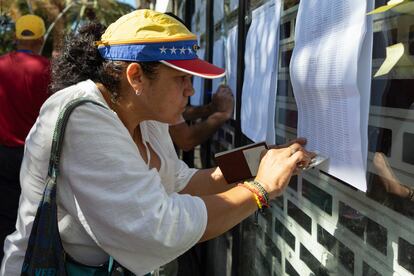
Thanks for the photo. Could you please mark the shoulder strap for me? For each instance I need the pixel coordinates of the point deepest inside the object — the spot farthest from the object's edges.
(59, 132)
(44, 250)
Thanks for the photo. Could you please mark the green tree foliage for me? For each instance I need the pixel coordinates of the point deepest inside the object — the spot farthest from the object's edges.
(63, 15)
(6, 34)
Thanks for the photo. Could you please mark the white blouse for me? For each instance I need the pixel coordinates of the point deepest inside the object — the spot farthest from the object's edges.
(109, 201)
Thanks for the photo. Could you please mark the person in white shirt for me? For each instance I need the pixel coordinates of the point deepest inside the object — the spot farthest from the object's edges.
(122, 191)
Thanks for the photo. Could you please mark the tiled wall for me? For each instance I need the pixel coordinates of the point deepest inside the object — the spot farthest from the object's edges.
(322, 226)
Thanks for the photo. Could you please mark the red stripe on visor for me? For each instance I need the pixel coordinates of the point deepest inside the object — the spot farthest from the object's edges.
(196, 67)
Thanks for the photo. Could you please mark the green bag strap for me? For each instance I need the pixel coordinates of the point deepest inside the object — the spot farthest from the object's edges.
(59, 132)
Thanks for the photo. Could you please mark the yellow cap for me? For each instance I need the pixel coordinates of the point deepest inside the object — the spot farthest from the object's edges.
(145, 26)
(30, 27)
(146, 35)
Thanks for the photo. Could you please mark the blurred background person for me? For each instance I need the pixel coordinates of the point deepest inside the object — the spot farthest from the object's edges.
(24, 80)
(187, 136)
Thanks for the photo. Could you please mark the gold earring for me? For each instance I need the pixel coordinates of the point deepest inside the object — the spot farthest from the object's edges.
(114, 98)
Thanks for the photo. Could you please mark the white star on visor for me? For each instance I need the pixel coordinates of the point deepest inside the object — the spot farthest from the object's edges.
(163, 50)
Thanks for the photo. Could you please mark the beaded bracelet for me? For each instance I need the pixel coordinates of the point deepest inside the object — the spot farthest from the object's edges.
(259, 204)
(255, 191)
(261, 196)
(257, 197)
(259, 187)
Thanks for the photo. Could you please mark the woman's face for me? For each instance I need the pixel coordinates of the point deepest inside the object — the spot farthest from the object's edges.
(167, 95)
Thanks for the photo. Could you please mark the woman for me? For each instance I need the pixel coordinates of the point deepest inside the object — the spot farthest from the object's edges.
(122, 190)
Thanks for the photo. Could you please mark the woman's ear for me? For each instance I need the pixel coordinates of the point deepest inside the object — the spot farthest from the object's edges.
(135, 75)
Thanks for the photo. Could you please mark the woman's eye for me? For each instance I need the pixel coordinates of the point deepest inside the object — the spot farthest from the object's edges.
(184, 78)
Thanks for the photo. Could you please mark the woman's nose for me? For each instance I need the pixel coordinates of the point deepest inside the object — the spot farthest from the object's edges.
(188, 90)
(191, 92)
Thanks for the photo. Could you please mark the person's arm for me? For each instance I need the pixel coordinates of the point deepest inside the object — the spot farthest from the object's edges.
(192, 113)
(143, 221)
(221, 101)
(186, 137)
(233, 203)
(227, 209)
(212, 180)
(388, 178)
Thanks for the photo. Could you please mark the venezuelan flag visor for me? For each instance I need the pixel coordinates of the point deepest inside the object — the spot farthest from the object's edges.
(146, 35)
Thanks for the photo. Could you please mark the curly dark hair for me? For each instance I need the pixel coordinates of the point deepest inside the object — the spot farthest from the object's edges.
(80, 60)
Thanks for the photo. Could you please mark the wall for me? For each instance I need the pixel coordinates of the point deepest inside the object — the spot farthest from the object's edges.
(322, 226)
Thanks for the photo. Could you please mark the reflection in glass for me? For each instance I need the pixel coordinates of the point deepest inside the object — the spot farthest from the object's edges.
(290, 3)
(283, 232)
(290, 270)
(384, 135)
(408, 146)
(312, 262)
(369, 271)
(278, 201)
(300, 217)
(385, 187)
(272, 248)
(285, 30)
(363, 227)
(406, 254)
(381, 41)
(317, 196)
(338, 249)
(288, 117)
(411, 40)
(394, 93)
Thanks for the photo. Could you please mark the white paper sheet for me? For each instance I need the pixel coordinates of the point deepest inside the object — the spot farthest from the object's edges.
(260, 75)
(231, 59)
(218, 60)
(234, 4)
(218, 10)
(198, 85)
(364, 73)
(193, 24)
(231, 62)
(202, 16)
(198, 21)
(331, 83)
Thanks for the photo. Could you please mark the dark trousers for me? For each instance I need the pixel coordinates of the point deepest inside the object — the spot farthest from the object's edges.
(10, 162)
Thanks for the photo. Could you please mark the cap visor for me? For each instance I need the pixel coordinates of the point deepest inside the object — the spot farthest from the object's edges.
(196, 67)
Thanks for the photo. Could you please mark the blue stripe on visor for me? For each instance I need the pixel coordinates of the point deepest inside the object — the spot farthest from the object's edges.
(177, 50)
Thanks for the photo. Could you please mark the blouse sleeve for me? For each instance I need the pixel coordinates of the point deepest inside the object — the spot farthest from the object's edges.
(183, 173)
(183, 176)
(119, 201)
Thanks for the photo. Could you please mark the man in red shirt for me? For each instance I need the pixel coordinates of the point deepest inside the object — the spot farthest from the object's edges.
(24, 80)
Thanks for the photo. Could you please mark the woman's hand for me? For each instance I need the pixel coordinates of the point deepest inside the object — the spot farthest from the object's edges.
(278, 165)
(302, 141)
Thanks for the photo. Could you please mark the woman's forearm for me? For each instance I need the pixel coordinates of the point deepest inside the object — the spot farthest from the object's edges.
(225, 210)
(207, 182)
